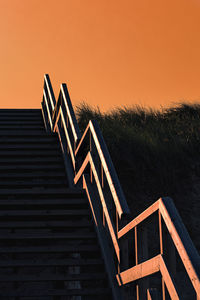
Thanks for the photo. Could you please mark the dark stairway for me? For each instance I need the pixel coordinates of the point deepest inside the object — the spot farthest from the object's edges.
(48, 244)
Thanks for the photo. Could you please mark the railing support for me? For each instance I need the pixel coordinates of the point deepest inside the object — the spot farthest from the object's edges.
(59, 117)
(171, 254)
(143, 256)
(124, 260)
(152, 294)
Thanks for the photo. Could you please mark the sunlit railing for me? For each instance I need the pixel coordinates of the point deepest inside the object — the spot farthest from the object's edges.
(168, 215)
(88, 161)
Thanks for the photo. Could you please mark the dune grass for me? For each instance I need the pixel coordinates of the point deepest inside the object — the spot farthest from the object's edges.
(154, 151)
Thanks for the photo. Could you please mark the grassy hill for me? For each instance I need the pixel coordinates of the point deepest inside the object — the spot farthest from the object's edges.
(156, 154)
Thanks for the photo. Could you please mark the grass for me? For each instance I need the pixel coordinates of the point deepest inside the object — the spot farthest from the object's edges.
(155, 153)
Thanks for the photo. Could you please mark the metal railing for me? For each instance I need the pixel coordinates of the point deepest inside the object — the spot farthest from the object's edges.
(87, 159)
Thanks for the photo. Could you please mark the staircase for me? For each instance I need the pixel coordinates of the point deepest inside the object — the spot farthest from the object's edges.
(48, 243)
(66, 231)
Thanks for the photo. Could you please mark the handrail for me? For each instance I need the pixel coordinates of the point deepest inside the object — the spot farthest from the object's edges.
(89, 160)
(60, 117)
(113, 181)
(57, 113)
(179, 235)
(68, 121)
(50, 90)
(64, 96)
(49, 101)
(149, 267)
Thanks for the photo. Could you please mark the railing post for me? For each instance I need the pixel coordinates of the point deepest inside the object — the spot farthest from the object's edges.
(161, 248)
(152, 294)
(136, 258)
(124, 253)
(171, 254)
(45, 118)
(142, 256)
(124, 257)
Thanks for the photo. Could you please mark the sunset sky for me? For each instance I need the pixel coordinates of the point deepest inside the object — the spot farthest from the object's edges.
(109, 52)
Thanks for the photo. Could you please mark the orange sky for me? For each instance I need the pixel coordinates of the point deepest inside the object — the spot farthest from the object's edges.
(109, 52)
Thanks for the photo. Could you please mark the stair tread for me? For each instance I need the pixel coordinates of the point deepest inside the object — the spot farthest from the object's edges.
(26, 127)
(66, 201)
(30, 152)
(20, 236)
(51, 277)
(18, 120)
(47, 212)
(23, 160)
(34, 174)
(45, 224)
(41, 191)
(18, 183)
(20, 110)
(28, 146)
(20, 128)
(43, 139)
(54, 292)
(33, 167)
(30, 133)
(49, 249)
(50, 262)
(13, 117)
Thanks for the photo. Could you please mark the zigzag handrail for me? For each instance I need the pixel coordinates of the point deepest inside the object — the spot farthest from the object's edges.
(89, 152)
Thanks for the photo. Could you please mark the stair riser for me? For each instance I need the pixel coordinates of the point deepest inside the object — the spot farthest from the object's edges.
(28, 140)
(26, 134)
(52, 292)
(28, 168)
(31, 163)
(28, 146)
(19, 185)
(54, 250)
(29, 153)
(36, 175)
(44, 202)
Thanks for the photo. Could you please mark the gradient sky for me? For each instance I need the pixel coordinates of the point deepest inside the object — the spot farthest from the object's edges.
(109, 52)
